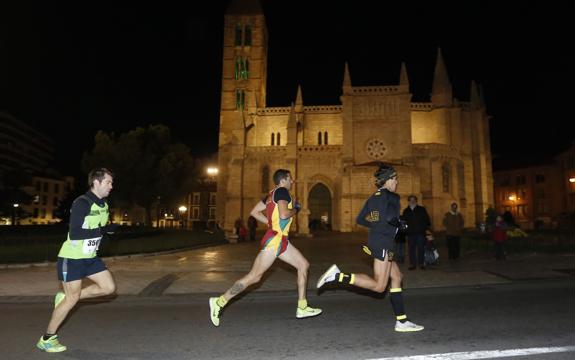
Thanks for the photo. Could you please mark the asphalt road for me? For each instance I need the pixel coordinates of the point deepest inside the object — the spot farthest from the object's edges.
(474, 320)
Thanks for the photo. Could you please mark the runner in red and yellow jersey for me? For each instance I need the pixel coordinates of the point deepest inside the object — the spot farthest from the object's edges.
(280, 209)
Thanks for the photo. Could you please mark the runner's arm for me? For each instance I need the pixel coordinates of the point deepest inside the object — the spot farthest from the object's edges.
(361, 218)
(80, 209)
(257, 212)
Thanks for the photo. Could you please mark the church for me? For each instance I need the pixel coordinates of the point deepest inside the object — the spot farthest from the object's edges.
(441, 148)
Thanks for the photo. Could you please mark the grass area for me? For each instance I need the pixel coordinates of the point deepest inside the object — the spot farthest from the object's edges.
(546, 241)
(43, 243)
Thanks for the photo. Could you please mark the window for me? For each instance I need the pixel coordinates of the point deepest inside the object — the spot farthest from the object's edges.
(265, 179)
(38, 185)
(238, 37)
(56, 188)
(539, 178)
(36, 211)
(212, 214)
(445, 176)
(238, 68)
(520, 180)
(505, 181)
(46, 187)
(196, 213)
(196, 198)
(522, 210)
(240, 99)
(44, 200)
(43, 213)
(241, 68)
(319, 138)
(248, 35)
(279, 139)
(325, 138)
(55, 201)
(273, 139)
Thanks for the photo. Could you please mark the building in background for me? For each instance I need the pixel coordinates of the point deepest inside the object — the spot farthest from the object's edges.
(440, 148)
(21, 146)
(47, 193)
(537, 195)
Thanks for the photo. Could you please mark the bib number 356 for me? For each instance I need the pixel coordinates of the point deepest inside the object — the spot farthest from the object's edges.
(90, 246)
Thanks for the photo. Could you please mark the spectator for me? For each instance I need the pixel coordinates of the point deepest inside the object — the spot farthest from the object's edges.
(500, 236)
(418, 224)
(453, 223)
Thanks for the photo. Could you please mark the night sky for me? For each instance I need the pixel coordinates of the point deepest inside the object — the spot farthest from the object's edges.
(72, 70)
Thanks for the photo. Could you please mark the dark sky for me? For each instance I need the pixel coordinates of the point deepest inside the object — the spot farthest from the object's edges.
(72, 70)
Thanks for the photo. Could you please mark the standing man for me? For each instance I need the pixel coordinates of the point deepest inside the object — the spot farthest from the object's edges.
(280, 209)
(417, 226)
(381, 215)
(77, 258)
(453, 223)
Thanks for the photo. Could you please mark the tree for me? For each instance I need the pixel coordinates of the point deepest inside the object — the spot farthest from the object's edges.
(147, 165)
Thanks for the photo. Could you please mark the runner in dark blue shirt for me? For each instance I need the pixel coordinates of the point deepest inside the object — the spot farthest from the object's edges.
(381, 215)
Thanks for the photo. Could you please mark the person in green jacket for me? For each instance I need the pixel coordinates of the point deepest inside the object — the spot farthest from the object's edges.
(78, 259)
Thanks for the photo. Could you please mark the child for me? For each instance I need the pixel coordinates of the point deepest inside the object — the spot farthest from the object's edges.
(500, 236)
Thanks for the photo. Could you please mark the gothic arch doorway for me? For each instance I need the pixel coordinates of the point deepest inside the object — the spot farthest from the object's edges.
(320, 207)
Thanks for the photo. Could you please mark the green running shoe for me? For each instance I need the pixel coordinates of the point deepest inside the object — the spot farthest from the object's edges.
(215, 311)
(58, 298)
(52, 345)
(307, 312)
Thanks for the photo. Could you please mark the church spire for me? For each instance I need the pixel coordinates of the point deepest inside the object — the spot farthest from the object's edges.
(474, 97)
(403, 79)
(298, 100)
(346, 80)
(441, 93)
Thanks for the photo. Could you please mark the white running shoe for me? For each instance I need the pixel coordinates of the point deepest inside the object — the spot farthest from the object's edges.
(407, 326)
(328, 276)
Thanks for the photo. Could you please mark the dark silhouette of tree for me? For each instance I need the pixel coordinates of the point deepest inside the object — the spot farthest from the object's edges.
(146, 164)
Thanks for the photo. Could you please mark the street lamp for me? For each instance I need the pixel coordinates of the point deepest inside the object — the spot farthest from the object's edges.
(212, 171)
(14, 212)
(512, 197)
(572, 180)
(182, 209)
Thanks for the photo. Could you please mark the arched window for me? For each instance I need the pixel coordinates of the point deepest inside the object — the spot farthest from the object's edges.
(446, 177)
(273, 139)
(325, 138)
(238, 38)
(248, 35)
(279, 139)
(265, 179)
(319, 138)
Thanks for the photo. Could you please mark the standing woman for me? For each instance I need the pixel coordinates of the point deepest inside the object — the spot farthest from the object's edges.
(381, 215)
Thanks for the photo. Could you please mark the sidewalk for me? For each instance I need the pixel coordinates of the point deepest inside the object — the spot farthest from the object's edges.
(212, 270)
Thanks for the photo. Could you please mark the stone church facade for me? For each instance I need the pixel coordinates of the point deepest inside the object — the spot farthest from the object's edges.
(440, 148)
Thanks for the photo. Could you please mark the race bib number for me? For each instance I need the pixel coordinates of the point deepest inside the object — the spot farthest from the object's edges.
(90, 246)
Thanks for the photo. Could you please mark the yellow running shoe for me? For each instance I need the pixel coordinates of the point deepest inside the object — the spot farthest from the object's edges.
(58, 298)
(52, 345)
(215, 311)
(307, 312)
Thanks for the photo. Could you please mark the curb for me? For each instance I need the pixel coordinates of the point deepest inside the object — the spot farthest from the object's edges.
(112, 258)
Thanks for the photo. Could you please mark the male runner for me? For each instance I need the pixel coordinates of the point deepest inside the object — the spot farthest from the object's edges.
(280, 209)
(77, 258)
(381, 215)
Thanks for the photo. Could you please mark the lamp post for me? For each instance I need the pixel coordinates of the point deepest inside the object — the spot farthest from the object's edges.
(212, 173)
(182, 209)
(14, 211)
